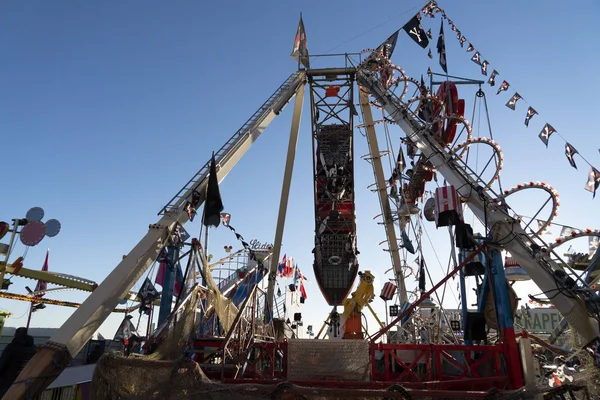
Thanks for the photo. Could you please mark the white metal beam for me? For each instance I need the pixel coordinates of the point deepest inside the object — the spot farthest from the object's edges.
(388, 219)
(285, 193)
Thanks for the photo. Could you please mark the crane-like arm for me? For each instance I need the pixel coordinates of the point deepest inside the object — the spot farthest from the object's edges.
(508, 232)
(72, 336)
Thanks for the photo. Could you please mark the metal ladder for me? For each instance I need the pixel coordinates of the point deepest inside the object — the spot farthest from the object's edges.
(274, 104)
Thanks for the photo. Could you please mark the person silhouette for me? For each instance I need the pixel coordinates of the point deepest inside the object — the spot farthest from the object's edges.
(14, 358)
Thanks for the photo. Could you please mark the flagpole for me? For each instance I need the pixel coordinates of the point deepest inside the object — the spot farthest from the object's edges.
(300, 55)
(29, 317)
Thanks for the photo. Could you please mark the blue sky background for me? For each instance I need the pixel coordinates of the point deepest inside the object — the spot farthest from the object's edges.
(107, 108)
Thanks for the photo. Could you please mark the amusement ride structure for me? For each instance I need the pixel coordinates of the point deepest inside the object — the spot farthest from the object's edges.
(236, 330)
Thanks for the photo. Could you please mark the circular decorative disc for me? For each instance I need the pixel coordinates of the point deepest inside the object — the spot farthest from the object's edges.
(35, 214)
(33, 233)
(3, 229)
(52, 227)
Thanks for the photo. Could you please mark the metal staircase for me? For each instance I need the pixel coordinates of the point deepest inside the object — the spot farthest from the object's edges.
(253, 126)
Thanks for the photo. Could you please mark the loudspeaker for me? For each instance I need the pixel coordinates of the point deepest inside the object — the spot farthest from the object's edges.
(464, 236)
(475, 326)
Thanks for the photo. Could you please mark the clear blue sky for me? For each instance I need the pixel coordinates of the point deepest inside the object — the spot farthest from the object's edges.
(107, 109)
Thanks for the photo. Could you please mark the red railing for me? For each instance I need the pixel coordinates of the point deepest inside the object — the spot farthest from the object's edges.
(440, 367)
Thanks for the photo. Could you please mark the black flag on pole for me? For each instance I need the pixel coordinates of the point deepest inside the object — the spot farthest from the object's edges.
(441, 48)
(422, 285)
(570, 152)
(386, 48)
(300, 51)
(214, 204)
(416, 31)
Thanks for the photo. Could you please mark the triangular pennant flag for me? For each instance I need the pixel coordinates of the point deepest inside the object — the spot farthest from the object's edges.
(593, 181)
(416, 32)
(429, 9)
(300, 50)
(503, 87)
(225, 219)
(429, 54)
(541, 225)
(43, 285)
(470, 48)
(406, 243)
(492, 80)
(213, 205)
(441, 48)
(484, 66)
(462, 41)
(386, 48)
(458, 35)
(593, 245)
(530, 113)
(126, 330)
(570, 151)
(513, 101)
(566, 231)
(400, 163)
(183, 234)
(476, 58)
(429, 34)
(546, 132)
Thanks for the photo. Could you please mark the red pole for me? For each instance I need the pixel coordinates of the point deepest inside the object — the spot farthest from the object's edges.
(426, 295)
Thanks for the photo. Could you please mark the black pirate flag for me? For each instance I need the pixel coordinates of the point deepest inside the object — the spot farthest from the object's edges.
(513, 101)
(546, 132)
(530, 113)
(416, 32)
(593, 181)
(570, 152)
(484, 66)
(476, 58)
(492, 80)
(387, 48)
(503, 87)
(441, 48)
(214, 204)
(147, 295)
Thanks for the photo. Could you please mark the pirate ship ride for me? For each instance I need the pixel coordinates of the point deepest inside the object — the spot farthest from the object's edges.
(422, 352)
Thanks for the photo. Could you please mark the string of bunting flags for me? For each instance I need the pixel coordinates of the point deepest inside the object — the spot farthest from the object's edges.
(225, 219)
(417, 33)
